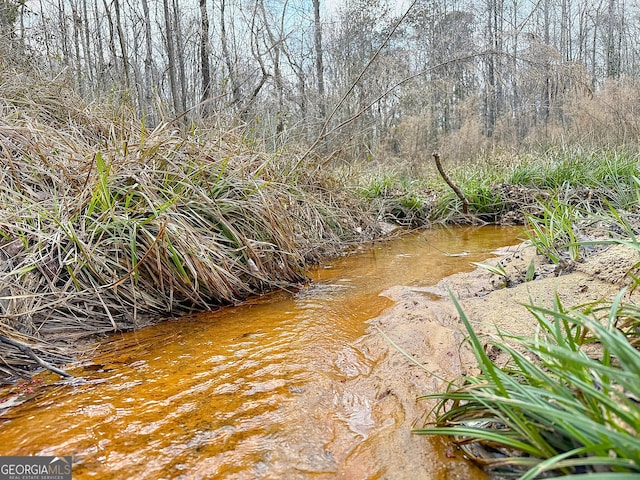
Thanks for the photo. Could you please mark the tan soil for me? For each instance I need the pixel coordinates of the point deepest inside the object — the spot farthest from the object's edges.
(425, 324)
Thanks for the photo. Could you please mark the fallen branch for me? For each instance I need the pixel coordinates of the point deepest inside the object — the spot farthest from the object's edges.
(27, 350)
(457, 191)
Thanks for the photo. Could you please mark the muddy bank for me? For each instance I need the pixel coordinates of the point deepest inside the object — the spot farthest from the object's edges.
(425, 324)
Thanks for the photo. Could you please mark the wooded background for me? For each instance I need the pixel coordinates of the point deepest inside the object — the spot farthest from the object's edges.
(378, 78)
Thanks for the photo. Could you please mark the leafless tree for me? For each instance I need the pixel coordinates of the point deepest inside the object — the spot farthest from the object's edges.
(507, 68)
(317, 43)
(171, 57)
(204, 50)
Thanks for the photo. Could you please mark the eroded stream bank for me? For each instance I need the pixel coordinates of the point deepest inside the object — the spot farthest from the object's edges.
(285, 386)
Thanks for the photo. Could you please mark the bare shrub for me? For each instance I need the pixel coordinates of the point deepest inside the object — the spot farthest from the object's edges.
(611, 116)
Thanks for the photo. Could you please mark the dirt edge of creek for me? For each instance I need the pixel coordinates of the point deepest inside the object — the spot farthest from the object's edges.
(425, 324)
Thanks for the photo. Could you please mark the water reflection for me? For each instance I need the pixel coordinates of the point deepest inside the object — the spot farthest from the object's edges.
(256, 391)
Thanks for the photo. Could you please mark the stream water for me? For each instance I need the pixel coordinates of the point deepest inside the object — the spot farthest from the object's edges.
(255, 391)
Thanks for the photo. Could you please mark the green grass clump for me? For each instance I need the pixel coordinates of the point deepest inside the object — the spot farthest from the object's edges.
(584, 178)
(554, 170)
(477, 183)
(483, 199)
(555, 407)
(554, 232)
(397, 197)
(380, 186)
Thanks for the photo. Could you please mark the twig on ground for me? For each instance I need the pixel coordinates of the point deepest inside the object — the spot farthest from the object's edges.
(26, 349)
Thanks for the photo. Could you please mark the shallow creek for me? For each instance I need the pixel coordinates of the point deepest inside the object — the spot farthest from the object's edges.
(261, 390)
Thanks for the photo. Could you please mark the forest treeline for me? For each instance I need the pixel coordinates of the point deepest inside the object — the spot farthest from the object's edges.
(367, 78)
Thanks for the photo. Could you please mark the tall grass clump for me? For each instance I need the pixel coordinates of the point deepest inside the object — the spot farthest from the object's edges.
(477, 182)
(396, 197)
(566, 403)
(554, 232)
(105, 223)
(573, 167)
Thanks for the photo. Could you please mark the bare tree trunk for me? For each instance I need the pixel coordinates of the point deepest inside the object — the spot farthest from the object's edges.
(100, 67)
(546, 94)
(494, 94)
(112, 37)
(515, 93)
(276, 47)
(204, 51)
(565, 32)
(594, 51)
(317, 43)
(123, 44)
(277, 72)
(22, 28)
(90, 66)
(138, 83)
(62, 23)
(173, 85)
(582, 36)
(236, 95)
(257, 55)
(148, 59)
(490, 107)
(45, 33)
(179, 55)
(300, 73)
(76, 45)
(613, 53)
(498, 49)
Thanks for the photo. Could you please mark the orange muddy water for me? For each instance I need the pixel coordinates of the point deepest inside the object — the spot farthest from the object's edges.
(255, 391)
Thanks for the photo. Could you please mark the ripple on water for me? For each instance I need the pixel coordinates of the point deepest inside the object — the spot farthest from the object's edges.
(355, 411)
(351, 362)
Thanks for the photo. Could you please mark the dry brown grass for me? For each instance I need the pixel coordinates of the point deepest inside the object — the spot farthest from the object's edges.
(105, 224)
